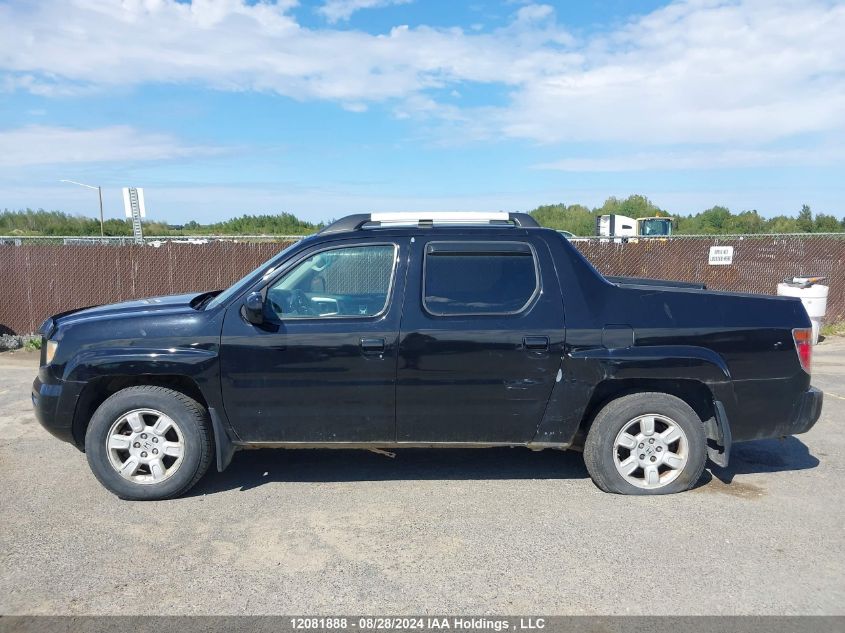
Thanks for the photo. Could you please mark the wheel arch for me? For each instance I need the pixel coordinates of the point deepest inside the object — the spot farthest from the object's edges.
(99, 389)
(697, 394)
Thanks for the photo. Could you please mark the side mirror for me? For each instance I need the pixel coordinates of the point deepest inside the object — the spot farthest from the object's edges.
(254, 308)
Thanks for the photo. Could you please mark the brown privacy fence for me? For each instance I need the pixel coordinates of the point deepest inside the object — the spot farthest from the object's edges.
(43, 277)
(759, 262)
(40, 279)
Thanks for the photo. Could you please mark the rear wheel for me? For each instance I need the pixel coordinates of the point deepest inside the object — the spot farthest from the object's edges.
(148, 443)
(645, 444)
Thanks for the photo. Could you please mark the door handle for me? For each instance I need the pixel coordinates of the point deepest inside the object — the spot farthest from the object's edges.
(536, 342)
(372, 345)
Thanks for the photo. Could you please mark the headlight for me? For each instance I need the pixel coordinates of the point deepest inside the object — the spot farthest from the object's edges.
(52, 346)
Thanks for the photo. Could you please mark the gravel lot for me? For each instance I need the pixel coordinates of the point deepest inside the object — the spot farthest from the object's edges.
(488, 531)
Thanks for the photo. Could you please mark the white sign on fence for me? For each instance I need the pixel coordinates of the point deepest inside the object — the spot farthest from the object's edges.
(721, 255)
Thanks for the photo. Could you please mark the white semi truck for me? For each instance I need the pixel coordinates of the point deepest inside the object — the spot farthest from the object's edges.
(615, 225)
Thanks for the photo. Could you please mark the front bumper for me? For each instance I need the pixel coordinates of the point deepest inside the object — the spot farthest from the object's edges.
(54, 402)
(806, 412)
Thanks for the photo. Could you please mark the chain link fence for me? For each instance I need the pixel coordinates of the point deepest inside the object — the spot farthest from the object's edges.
(155, 240)
(758, 264)
(43, 276)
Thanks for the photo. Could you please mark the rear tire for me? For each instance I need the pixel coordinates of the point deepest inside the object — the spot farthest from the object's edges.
(149, 443)
(646, 443)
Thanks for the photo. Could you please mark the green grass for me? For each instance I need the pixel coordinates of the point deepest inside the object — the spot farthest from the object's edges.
(833, 329)
(32, 344)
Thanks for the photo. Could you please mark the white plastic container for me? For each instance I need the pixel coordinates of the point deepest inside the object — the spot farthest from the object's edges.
(814, 299)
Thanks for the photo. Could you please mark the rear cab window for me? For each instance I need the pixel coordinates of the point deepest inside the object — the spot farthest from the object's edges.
(479, 278)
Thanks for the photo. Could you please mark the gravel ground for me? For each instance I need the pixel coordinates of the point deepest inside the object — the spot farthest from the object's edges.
(487, 531)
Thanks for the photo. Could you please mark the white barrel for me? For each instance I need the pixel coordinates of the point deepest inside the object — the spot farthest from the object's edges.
(814, 299)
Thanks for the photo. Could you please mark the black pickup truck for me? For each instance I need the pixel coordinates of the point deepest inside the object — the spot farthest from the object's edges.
(442, 330)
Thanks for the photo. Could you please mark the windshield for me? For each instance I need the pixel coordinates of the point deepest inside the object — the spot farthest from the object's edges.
(240, 285)
(656, 226)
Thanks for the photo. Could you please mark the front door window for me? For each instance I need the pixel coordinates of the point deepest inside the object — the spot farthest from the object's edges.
(341, 282)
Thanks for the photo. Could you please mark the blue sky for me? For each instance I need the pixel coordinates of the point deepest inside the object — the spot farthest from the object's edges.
(223, 107)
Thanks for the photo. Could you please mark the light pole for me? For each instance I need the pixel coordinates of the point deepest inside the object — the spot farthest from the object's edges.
(100, 192)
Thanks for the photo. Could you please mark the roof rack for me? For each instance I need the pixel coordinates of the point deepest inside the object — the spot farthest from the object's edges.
(429, 218)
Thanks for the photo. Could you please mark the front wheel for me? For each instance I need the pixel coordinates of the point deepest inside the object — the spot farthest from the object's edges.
(646, 444)
(149, 443)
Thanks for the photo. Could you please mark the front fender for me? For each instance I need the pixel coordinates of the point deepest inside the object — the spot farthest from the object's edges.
(195, 363)
(91, 371)
(134, 360)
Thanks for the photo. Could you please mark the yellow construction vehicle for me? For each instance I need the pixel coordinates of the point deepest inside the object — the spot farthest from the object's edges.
(655, 226)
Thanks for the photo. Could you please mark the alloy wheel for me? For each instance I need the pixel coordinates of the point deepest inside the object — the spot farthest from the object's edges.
(650, 451)
(145, 446)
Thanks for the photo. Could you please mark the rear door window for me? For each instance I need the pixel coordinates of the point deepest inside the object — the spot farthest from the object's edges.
(477, 278)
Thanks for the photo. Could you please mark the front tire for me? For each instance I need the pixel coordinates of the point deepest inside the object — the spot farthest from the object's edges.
(646, 444)
(149, 443)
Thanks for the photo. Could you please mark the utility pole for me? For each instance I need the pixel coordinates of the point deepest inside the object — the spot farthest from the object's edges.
(100, 192)
(102, 222)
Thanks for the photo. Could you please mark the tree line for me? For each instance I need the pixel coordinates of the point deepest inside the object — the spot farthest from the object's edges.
(575, 218)
(718, 220)
(41, 222)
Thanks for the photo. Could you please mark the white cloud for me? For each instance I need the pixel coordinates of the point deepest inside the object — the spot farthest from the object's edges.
(735, 73)
(337, 10)
(535, 13)
(45, 145)
(697, 159)
(698, 71)
(71, 45)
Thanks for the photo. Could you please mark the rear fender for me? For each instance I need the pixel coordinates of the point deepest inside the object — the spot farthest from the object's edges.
(591, 377)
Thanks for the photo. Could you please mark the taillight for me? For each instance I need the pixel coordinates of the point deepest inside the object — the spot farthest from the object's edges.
(803, 338)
